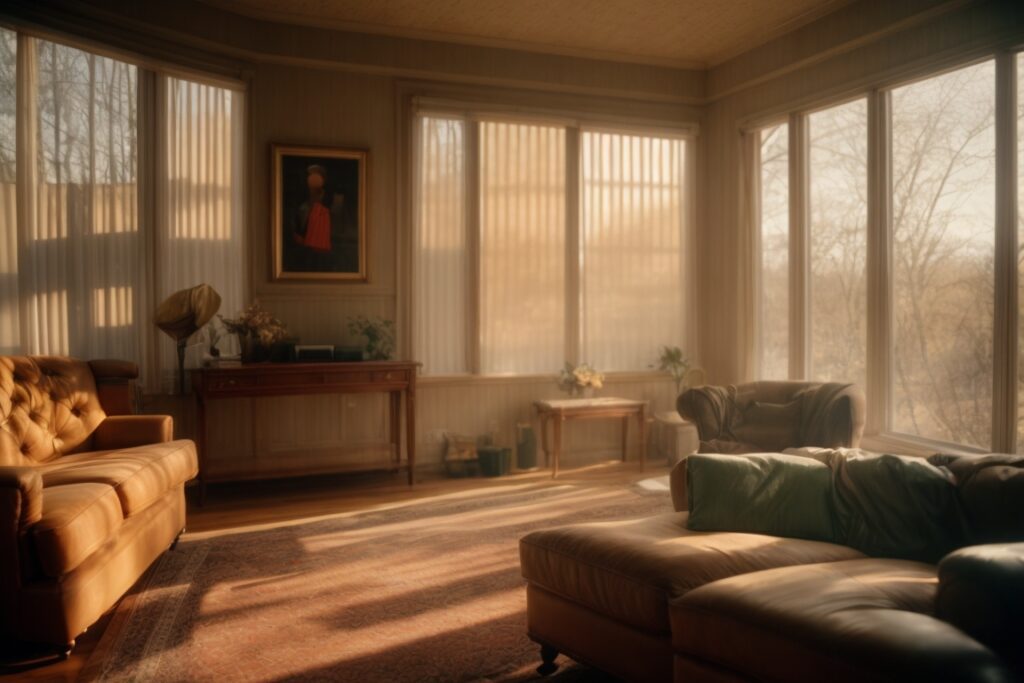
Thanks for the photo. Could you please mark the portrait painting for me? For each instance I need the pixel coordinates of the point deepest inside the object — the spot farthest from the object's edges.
(319, 214)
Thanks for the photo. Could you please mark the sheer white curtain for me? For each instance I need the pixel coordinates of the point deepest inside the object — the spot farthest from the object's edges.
(80, 257)
(632, 236)
(522, 248)
(199, 199)
(441, 264)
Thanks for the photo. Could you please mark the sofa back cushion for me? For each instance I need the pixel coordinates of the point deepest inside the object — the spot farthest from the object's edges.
(991, 491)
(780, 495)
(48, 408)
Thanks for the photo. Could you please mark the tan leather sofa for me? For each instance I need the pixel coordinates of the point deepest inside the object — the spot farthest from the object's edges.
(90, 494)
(760, 417)
(651, 600)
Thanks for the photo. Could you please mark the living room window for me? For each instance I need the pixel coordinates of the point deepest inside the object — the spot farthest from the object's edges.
(536, 243)
(86, 219)
(901, 203)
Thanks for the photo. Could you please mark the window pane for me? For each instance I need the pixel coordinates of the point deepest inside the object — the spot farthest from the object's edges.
(838, 242)
(631, 236)
(441, 261)
(522, 248)
(774, 205)
(9, 332)
(943, 255)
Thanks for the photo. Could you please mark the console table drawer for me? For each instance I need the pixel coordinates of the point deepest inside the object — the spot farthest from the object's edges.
(391, 376)
(232, 383)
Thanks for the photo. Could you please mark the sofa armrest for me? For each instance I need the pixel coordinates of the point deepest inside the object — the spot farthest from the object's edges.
(677, 484)
(981, 592)
(115, 385)
(21, 497)
(127, 431)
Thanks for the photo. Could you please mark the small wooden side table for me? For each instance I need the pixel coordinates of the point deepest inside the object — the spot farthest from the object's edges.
(558, 411)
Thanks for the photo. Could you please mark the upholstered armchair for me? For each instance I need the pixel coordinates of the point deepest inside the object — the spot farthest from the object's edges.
(773, 416)
(90, 494)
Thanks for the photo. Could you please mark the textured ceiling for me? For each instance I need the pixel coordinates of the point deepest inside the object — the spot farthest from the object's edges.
(693, 33)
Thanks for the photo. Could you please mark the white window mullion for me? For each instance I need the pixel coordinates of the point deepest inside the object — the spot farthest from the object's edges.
(573, 299)
(799, 251)
(1005, 338)
(472, 152)
(879, 263)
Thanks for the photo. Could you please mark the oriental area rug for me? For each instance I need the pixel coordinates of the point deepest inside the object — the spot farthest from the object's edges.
(427, 590)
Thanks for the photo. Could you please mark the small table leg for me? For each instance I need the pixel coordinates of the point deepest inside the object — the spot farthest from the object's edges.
(642, 422)
(625, 436)
(410, 427)
(558, 445)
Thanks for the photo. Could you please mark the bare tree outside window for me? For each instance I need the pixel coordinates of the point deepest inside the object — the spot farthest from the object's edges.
(838, 242)
(943, 180)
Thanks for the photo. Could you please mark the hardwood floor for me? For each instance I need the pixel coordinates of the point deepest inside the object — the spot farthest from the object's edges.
(292, 501)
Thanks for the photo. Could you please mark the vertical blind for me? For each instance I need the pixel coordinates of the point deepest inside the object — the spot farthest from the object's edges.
(78, 249)
(441, 262)
(631, 234)
(522, 248)
(199, 197)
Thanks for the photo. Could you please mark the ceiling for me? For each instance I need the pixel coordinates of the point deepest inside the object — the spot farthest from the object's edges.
(685, 33)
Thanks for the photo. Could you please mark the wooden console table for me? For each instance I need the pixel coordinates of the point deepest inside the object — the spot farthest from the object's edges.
(286, 379)
(558, 411)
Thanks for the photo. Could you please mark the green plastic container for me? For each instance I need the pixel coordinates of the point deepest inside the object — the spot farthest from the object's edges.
(494, 461)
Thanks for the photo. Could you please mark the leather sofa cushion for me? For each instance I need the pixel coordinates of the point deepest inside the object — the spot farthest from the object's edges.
(629, 570)
(140, 476)
(857, 620)
(77, 519)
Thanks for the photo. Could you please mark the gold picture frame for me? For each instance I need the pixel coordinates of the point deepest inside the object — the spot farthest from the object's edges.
(318, 214)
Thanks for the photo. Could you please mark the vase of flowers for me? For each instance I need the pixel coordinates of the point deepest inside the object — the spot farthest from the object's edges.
(257, 332)
(379, 333)
(580, 380)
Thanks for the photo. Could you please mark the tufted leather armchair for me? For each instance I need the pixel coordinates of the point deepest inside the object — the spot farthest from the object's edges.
(90, 494)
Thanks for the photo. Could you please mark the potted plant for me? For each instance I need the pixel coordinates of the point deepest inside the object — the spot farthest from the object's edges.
(379, 333)
(674, 363)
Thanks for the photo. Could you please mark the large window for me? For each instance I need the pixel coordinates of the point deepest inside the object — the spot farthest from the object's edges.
(80, 237)
(943, 238)
(526, 257)
(904, 275)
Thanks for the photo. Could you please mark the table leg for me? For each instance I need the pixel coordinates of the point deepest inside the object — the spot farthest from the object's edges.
(559, 419)
(642, 420)
(201, 446)
(544, 419)
(396, 427)
(625, 436)
(410, 428)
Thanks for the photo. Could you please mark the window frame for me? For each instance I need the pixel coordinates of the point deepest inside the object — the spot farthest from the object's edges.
(575, 125)
(880, 295)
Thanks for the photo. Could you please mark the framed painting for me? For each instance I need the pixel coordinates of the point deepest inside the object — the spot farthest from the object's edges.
(318, 210)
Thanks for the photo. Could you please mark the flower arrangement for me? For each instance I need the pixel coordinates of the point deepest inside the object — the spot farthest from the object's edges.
(256, 324)
(580, 379)
(379, 333)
